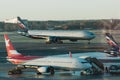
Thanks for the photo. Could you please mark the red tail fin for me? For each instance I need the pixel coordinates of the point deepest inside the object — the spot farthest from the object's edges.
(10, 49)
(22, 25)
(112, 42)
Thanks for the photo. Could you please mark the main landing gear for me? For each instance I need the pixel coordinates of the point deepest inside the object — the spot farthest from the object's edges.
(89, 42)
(51, 70)
(15, 71)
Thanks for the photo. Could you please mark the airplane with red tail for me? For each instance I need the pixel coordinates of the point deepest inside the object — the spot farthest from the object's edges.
(14, 56)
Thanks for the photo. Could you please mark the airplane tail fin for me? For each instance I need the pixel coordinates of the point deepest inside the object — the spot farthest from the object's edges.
(111, 41)
(22, 25)
(12, 53)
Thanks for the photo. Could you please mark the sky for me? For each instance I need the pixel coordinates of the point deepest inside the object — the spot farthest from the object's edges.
(60, 9)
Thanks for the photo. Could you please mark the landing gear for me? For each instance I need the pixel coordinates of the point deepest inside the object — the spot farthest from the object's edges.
(89, 42)
(51, 70)
(39, 73)
(15, 71)
(48, 42)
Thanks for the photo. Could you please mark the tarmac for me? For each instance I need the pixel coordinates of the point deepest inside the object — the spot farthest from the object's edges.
(39, 48)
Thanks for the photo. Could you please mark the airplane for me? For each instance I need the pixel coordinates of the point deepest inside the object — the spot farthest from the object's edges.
(53, 36)
(47, 64)
(115, 50)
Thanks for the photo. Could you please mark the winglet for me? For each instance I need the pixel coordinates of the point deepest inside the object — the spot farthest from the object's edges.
(70, 54)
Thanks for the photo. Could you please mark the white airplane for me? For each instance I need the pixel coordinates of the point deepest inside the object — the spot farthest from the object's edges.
(46, 64)
(53, 36)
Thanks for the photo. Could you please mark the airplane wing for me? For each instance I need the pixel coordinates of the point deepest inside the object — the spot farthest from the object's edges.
(98, 55)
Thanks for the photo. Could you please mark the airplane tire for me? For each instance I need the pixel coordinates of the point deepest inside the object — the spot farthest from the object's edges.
(52, 72)
(10, 72)
(82, 73)
(39, 73)
(15, 71)
(89, 42)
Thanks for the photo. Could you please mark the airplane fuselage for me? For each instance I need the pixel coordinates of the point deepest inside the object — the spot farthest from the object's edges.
(66, 63)
(62, 34)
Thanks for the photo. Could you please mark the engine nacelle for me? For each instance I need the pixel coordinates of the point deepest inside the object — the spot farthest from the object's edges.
(43, 69)
(23, 33)
(53, 40)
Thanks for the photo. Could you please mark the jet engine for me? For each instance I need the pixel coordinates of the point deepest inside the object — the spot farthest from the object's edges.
(46, 70)
(21, 33)
(43, 69)
(53, 40)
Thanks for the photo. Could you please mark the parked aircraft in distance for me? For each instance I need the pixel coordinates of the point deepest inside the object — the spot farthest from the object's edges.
(46, 64)
(53, 36)
(115, 50)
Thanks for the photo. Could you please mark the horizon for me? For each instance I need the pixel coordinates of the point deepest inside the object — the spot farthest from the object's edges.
(44, 10)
